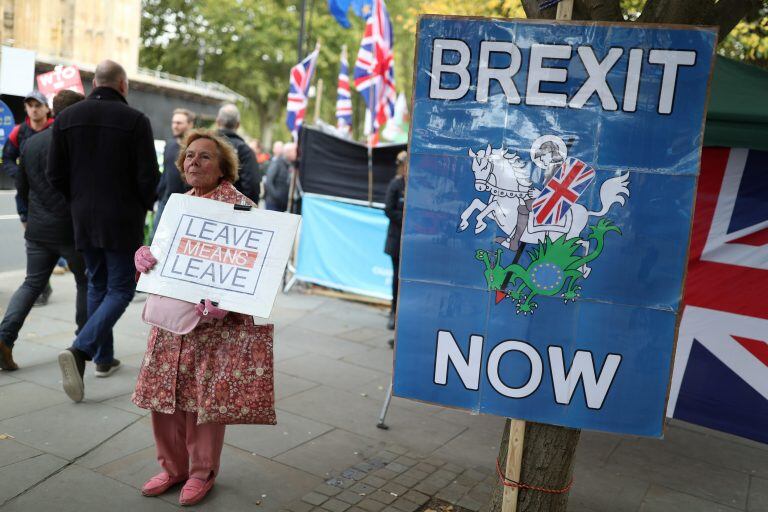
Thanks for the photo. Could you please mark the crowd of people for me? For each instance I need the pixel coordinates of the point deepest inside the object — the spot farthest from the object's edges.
(86, 174)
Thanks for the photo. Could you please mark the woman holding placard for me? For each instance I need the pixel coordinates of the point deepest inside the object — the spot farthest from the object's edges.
(204, 367)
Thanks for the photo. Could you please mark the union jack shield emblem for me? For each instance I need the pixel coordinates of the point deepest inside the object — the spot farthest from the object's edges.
(562, 190)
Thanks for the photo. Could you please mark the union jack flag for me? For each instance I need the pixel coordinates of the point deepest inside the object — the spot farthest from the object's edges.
(375, 67)
(343, 95)
(301, 78)
(562, 191)
(720, 377)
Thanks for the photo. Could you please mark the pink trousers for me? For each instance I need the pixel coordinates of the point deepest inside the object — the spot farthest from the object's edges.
(186, 448)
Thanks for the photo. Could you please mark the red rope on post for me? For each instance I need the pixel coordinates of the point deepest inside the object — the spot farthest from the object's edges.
(511, 483)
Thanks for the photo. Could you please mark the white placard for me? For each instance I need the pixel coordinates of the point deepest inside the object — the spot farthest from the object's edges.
(17, 71)
(207, 249)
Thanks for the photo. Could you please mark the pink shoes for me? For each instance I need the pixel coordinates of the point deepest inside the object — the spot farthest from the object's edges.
(195, 490)
(160, 483)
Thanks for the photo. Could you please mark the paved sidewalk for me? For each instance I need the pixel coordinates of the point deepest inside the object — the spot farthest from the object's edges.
(333, 367)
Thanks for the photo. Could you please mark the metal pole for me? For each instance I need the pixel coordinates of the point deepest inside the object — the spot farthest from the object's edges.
(302, 28)
(384, 408)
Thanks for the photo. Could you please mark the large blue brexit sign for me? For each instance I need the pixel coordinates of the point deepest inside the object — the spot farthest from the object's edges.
(548, 211)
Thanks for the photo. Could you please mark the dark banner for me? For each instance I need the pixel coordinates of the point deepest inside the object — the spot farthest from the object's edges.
(338, 167)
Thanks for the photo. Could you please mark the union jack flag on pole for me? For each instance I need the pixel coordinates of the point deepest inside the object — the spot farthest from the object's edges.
(375, 67)
(562, 191)
(343, 95)
(300, 80)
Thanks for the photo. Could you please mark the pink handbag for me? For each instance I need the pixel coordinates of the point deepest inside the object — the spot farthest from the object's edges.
(172, 315)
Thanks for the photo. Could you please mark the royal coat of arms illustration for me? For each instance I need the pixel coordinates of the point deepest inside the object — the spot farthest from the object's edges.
(549, 216)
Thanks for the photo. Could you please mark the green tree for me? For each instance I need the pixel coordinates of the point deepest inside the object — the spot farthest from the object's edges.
(247, 45)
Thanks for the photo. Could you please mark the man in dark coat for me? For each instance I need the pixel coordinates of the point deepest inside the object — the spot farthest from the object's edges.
(102, 159)
(228, 121)
(49, 235)
(182, 121)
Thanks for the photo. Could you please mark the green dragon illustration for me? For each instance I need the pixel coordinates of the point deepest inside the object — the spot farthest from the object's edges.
(553, 265)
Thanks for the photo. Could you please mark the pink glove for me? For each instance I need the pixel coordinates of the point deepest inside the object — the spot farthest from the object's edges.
(210, 312)
(144, 260)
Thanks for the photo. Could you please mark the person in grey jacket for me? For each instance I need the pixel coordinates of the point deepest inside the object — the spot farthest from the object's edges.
(227, 122)
(278, 181)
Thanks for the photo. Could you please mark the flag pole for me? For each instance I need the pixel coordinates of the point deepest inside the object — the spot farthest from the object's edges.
(370, 158)
(318, 98)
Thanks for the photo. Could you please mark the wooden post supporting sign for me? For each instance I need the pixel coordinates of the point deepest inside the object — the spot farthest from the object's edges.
(564, 10)
(513, 467)
(514, 464)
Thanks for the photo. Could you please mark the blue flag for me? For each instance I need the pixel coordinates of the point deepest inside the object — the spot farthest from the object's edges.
(339, 9)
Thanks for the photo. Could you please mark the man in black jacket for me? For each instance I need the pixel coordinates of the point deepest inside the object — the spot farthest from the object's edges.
(49, 235)
(228, 121)
(182, 121)
(103, 161)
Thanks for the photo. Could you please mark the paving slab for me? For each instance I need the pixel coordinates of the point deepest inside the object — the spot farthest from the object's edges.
(137, 437)
(322, 323)
(17, 478)
(680, 473)
(758, 495)
(307, 340)
(328, 371)
(77, 489)
(133, 469)
(474, 447)
(358, 414)
(271, 440)
(284, 316)
(379, 359)
(626, 492)
(366, 334)
(305, 302)
(11, 452)
(284, 351)
(28, 354)
(68, 430)
(123, 402)
(96, 389)
(377, 391)
(327, 455)
(594, 448)
(662, 499)
(7, 378)
(716, 449)
(51, 326)
(287, 385)
(25, 397)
